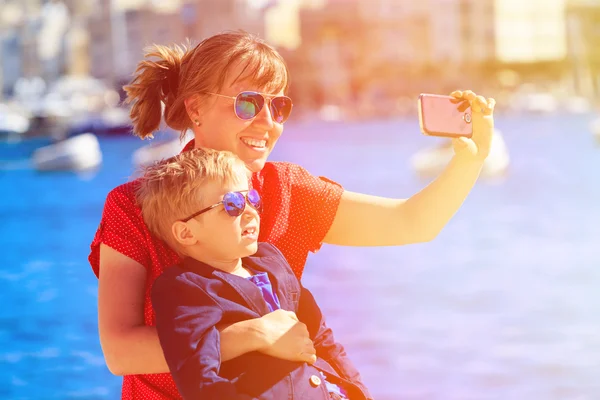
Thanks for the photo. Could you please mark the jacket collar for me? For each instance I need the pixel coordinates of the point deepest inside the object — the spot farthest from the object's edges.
(262, 261)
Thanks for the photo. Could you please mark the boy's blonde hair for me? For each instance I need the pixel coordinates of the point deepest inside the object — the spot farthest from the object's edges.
(170, 189)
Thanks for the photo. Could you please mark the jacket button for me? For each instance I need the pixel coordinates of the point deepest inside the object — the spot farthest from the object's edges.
(315, 381)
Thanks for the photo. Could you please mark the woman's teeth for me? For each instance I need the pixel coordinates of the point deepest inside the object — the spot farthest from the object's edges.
(258, 143)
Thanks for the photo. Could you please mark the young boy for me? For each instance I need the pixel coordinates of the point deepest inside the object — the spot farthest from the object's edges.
(199, 203)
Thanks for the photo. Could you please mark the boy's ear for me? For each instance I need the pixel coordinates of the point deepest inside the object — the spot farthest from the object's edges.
(183, 234)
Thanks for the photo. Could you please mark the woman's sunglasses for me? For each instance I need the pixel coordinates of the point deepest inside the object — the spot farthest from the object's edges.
(248, 104)
(234, 203)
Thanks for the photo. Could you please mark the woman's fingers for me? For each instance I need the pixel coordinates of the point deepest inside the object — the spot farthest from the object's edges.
(478, 103)
(469, 95)
(491, 104)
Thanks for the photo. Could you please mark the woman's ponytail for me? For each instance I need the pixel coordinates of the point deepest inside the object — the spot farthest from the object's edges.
(156, 81)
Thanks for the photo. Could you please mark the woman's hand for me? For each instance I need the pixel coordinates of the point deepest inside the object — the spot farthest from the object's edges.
(285, 337)
(478, 147)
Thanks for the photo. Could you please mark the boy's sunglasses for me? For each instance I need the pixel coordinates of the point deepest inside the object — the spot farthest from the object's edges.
(248, 104)
(234, 203)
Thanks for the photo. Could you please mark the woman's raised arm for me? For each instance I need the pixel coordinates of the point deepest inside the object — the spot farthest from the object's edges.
(364, 220)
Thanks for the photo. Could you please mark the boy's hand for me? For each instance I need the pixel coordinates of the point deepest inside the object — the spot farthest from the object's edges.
(285, 337)
(478, 147)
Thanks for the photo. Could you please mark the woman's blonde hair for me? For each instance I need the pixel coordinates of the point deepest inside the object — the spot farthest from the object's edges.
(171, 189)
(172, 74)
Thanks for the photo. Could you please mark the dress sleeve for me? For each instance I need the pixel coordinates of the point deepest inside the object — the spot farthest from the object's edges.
(122, 228)
(314, 204)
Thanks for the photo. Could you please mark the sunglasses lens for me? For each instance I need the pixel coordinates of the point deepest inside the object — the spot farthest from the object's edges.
(248, 104)
(281, 108)
(254, 199)
(234, 203)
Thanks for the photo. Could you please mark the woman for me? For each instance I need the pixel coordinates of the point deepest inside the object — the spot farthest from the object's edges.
(230, 91)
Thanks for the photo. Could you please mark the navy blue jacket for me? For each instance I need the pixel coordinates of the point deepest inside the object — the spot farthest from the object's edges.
(191, 299)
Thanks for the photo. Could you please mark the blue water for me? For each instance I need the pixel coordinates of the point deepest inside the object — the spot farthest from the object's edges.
(504, 304)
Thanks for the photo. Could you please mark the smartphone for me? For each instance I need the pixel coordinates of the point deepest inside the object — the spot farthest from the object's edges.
(444, 116)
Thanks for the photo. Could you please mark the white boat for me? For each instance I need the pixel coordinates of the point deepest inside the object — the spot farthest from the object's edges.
(77, 153)
(577, 105)
(331, 112)
(431, 161)
(535, 103)
(13, 124)
(595, 128)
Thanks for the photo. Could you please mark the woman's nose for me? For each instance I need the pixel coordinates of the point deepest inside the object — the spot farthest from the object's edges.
(264, 117)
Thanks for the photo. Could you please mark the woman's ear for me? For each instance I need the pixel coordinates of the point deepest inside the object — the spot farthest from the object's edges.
(193, 110)
(183, 234)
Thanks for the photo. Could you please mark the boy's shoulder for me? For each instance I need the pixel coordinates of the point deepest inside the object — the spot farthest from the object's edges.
(178, 276)
(172, 273)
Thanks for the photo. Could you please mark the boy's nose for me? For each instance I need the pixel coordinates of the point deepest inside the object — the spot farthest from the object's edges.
(250, 212)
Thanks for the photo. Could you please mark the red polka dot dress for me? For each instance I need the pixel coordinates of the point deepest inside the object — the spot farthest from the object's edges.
(298, 210)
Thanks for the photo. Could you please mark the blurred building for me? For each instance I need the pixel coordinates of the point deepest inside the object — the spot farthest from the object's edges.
(365, 52)
(43, 38)
(530, 31)
(18, 41)
(369, 51)
(121, 29)
(583, 34)
(343, 52)
(326, 65)
(77, 38)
